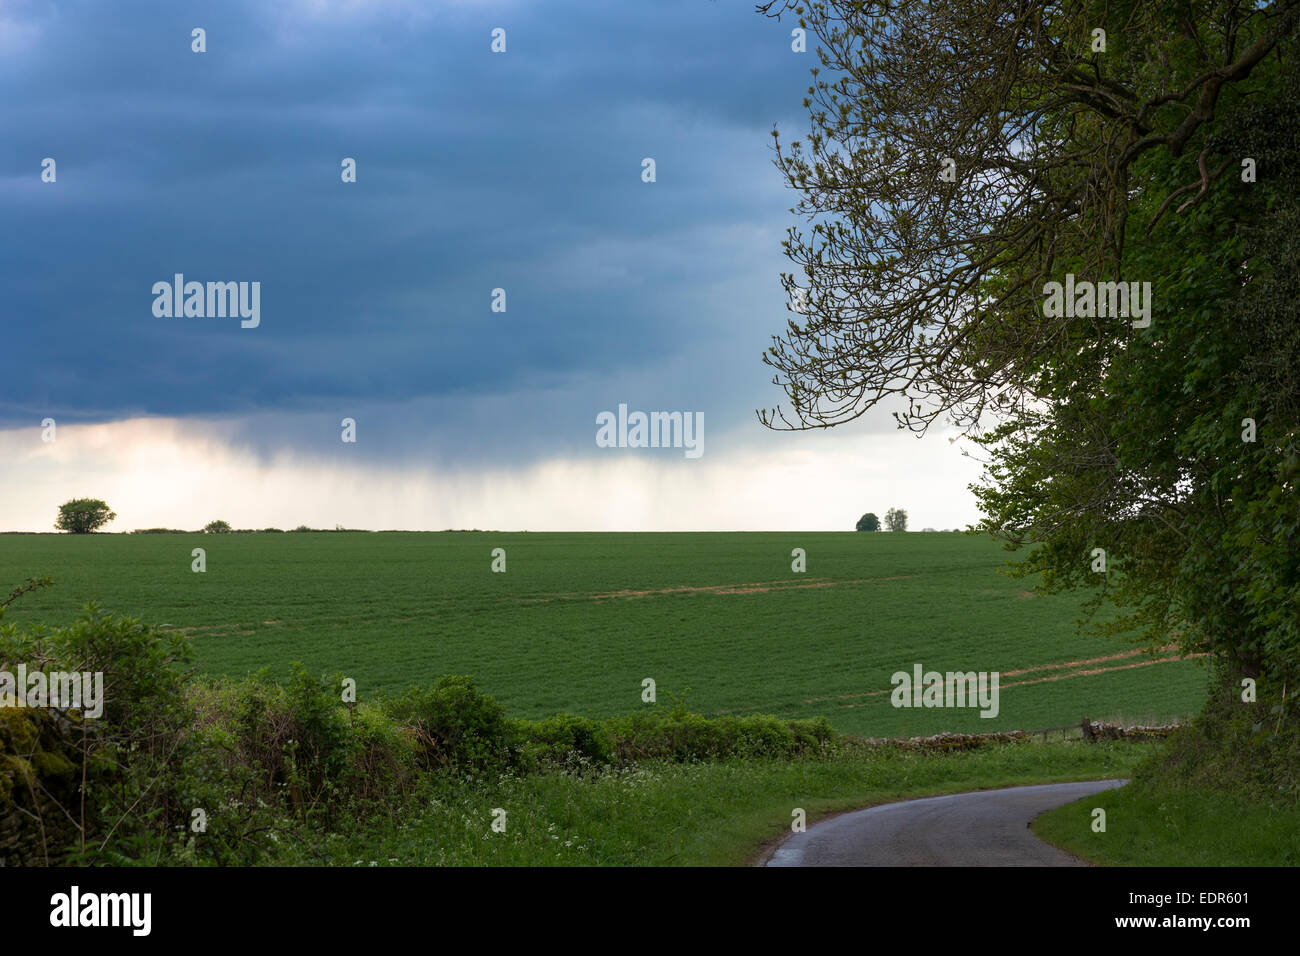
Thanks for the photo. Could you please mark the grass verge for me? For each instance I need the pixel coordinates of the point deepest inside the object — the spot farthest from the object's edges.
(1151, 825)
(1224, 791)
(660, 813)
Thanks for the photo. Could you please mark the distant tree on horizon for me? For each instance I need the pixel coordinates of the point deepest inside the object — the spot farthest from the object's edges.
(896, 519)
(869, 522)
(83, 515)
(217, 527)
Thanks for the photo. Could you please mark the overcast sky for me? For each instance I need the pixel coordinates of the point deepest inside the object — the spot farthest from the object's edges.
(475, 171)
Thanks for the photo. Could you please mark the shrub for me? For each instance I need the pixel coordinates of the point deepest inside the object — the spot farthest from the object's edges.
(296, 735)
(813, 736)
(1246, 750)
(678, 735)
(37, 781)
(268, 753)
(217, 527)
(763, 736)
(454, 724)
(559, 741)
(129, 756)
(384, 757)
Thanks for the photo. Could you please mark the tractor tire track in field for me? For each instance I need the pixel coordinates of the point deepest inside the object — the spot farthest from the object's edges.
(758, 587)
(1071, 669)
(983, 828)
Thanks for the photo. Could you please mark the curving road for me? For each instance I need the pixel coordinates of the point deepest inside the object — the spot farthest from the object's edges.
(985, 828)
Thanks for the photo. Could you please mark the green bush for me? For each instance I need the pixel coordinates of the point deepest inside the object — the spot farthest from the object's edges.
(678, 735)
(384, 755)
(37, 781)
(296, 736)
(1247, 750)
(130, 755)
(813, 736)
(217, 527)
(561, 740)
(267, 753)
(454, 725)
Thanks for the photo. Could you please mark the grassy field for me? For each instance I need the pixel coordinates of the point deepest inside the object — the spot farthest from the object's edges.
(578, 620)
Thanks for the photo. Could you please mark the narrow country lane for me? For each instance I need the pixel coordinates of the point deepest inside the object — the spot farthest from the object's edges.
(984, 828)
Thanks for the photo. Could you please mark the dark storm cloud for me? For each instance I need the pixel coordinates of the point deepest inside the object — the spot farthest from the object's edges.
(475, 171)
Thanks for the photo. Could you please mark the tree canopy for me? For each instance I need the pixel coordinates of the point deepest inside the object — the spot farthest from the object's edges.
(966, 154)
(83, 515)
(896, 519)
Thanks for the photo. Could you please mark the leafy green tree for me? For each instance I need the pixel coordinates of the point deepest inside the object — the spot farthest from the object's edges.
(896, 519)
(83, 515)
(1180, 459)
(1124, 142)
(217, 527)
(869, 522)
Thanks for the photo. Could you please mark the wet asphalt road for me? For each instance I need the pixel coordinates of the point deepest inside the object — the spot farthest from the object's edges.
(986, 828)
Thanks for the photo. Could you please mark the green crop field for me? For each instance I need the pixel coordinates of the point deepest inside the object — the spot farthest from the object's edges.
(577, 621)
